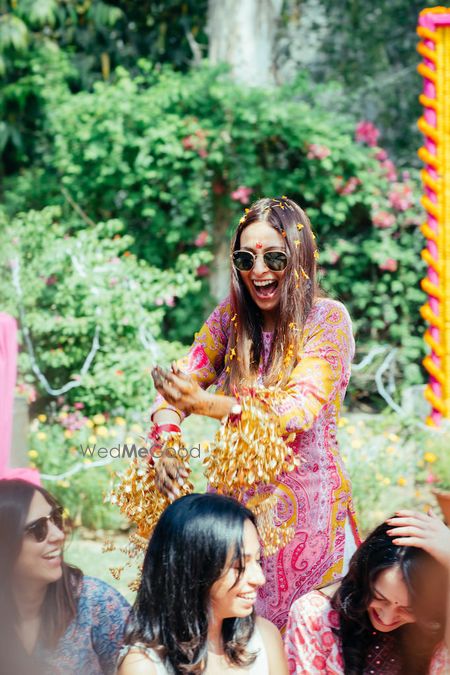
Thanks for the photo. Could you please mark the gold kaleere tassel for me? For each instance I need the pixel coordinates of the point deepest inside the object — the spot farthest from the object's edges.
(141, 502)
(250, 450)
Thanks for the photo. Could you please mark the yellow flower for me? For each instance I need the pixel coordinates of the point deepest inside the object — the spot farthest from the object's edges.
(401, 481)
(391, 449)
(356, 443)
(62, 415)
(394, 438)
(41, 436)
(386, 481)
(89, 423)
(351, 429)
(136, 428)
(65, 483)
(120, 421)
(32, 454)
(99, 419)
(102, 431)
(429, 457)
(68, 433)
(342, 421)
(92, 438)
(42, 418)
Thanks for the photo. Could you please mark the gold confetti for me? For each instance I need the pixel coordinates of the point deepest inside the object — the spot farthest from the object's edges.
(297, 242)
(316, 255)
(300, 226)
(304, 275)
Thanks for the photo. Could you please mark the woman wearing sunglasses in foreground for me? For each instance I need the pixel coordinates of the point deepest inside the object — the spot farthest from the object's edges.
(389, 615)
(194, 610)
(275, 332)
(53, 620)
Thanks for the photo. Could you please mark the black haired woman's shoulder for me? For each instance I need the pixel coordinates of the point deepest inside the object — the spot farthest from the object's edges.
(136, 662)
(274, 646)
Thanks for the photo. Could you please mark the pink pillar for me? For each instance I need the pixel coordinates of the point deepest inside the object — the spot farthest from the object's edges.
(8, 365)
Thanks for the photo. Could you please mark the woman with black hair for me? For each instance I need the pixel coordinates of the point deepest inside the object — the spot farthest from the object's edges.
(194, 610)
(389, 614)
(53, 619)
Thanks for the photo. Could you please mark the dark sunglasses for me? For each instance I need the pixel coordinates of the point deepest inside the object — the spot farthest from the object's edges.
(275, 260)
(39, 528)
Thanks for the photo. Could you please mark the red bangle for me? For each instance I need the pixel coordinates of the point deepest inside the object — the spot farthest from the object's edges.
(172, 428)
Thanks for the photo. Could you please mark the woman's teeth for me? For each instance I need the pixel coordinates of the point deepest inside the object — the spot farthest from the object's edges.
(265, 288)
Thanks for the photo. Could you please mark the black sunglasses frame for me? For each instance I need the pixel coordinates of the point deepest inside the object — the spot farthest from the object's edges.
(266, 258)
(56, 515)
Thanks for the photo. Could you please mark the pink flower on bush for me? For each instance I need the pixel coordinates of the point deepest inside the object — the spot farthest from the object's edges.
(381, 155)
(383, 219)
(201, 238)
(367, 133)
(196, 142)
(202, 271)
(401, 197)
(159, 302)
(389, 170)
(78, 406)
(334, 257)
(431, 478)
(51, 280)
(316, 151)
(388, 265)
(348, 187)
(242, 194)
(170, 301)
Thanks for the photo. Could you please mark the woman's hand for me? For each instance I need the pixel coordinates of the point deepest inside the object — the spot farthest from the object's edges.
(170, 474)
(178, 389)
(422, 530)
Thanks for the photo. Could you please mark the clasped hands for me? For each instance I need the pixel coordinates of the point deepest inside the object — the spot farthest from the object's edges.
(179, 389)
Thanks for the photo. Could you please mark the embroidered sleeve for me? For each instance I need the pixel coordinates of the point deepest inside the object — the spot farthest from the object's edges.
(205, 359)
(440, 663)
(322, 371)
(311, 646)
(109, 614)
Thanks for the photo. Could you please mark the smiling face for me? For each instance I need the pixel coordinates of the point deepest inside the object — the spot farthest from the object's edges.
(234, 596)
(40, 562)
(263, 284)
(390, 606)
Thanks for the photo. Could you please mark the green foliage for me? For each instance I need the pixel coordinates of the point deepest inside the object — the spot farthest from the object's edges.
(434, 458)
(176, 155)
(74, 282)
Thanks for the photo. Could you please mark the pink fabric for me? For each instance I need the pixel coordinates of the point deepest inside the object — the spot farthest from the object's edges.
(316, 497)
(8, 358)
(30, 475)
(312, 648)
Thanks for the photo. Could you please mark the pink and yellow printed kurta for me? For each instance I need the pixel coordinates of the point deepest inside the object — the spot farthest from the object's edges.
(313, 648)
(316, 497)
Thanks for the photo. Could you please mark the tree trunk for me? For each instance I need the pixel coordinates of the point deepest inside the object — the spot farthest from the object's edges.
(242, 33)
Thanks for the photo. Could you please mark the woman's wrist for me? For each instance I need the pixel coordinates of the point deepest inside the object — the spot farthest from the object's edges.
(215, 405)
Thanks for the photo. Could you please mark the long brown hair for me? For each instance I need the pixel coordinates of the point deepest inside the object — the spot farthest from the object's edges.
(298, 291)
(61, 599)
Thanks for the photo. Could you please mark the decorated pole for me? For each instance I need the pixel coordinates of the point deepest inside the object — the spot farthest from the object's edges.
(434, 47)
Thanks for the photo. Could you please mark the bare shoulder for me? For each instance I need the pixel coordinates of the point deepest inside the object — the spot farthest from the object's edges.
(267, 629)
(136, 663)
(274, 646)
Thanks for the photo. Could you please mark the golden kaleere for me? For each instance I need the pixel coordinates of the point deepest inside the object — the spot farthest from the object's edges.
(141, 502)
(249, 452)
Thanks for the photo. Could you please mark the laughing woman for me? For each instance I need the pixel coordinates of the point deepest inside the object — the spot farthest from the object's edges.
(53, 619)
(276, 332)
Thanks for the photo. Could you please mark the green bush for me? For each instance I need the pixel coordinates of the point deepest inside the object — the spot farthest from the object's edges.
(73, 284)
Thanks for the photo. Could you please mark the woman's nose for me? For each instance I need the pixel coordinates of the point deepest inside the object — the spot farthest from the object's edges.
(256, 577)
(260, 265)
(54, 533)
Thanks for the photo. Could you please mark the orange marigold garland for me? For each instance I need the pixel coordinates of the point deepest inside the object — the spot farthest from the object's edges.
(249, 450)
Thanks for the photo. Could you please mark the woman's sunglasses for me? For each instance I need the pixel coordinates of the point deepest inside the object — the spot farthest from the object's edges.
(39, 528)
(275, 260)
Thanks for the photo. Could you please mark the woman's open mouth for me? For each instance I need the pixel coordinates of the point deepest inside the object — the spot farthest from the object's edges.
(265, 289)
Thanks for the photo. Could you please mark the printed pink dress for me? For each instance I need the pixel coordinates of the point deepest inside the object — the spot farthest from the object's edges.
(315, 498)
(313, 649)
